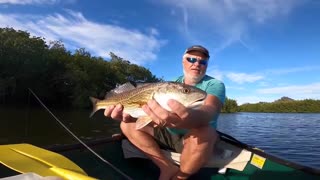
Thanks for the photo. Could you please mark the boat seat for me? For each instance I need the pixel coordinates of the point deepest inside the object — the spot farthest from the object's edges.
(31, 176)
(225, 155)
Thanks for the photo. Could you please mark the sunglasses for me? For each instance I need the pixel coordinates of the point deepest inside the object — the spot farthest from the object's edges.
(193, 60)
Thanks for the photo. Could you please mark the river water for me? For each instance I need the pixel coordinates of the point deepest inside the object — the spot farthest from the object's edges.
(292, 136)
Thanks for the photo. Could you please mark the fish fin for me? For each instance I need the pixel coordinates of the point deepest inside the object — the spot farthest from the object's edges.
(141, 84)
(109, 94)
(94, 105)
(120, 89)
(142, 122)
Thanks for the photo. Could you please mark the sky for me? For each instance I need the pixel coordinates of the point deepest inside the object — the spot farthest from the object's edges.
(261, 49)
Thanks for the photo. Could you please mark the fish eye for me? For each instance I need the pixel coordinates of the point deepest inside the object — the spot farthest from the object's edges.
(185, 90)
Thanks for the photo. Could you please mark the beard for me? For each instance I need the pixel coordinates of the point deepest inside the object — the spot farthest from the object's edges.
(194, 78)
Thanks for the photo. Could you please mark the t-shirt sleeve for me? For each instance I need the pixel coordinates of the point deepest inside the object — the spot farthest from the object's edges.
(217, 89)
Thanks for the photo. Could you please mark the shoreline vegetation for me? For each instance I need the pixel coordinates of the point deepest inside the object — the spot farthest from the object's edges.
(282, 105)
(65, 80)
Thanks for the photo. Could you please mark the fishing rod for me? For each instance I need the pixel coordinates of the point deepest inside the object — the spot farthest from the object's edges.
(79, 140)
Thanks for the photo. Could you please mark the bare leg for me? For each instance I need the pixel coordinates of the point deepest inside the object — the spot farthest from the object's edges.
(144, 141)
(198, 147)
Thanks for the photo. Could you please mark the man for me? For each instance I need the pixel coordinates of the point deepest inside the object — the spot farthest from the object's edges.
(190, 132)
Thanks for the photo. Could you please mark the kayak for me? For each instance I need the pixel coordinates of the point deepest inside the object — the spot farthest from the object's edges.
(116, 158)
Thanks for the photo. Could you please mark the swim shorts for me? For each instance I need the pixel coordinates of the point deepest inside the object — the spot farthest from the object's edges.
(167, 140)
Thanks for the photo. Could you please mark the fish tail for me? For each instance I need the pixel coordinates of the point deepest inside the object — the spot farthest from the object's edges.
(94, 105)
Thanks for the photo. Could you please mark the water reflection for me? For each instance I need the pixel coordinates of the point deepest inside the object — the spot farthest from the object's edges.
(291, 136)
(40, 128)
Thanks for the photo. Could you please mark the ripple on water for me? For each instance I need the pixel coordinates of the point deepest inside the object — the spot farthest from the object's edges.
(292, 136)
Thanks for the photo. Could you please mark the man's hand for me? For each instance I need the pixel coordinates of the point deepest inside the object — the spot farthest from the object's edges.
(116, 112)
(163, 117)
(181, 116)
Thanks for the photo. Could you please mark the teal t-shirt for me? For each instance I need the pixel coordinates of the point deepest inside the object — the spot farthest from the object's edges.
(211, 86)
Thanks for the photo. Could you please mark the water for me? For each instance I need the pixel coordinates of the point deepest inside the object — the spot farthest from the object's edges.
(291, 136)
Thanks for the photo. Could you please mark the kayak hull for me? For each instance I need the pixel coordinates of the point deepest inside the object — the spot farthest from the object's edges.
(261, 165)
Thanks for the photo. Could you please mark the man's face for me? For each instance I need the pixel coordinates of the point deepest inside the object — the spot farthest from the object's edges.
(194, 70)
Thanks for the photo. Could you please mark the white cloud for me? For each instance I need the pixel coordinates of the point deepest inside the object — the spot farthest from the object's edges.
(264, 84)
(292, 70)
(247, 93)
(10, 21)
(294, 91)
(228, 19)
(262, 10)
(253, 99)
(241, 88)
(311, 91)
(99, 39)
(241, 78)
(215, 72)
(154, 31)
(24, 2)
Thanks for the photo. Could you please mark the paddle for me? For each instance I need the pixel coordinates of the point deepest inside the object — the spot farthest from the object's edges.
(25, 158)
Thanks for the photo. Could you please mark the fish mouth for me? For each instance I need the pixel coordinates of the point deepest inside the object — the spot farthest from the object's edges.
(197, 103)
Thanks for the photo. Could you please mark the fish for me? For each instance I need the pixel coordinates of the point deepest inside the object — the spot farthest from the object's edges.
(134, 96)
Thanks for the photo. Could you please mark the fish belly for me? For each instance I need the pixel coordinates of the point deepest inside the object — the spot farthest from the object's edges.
(136, 113)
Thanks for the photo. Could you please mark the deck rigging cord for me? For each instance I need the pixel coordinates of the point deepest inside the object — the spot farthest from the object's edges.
(79, 140)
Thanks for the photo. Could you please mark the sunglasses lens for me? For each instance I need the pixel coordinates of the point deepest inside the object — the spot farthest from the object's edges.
(203, 62)
(193, 60)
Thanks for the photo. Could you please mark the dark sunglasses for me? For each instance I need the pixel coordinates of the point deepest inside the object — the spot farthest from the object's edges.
(193, 60)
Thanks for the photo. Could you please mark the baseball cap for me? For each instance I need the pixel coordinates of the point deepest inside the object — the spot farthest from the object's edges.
(198, 48)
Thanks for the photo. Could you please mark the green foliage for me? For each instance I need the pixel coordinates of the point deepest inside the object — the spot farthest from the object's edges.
(230, 106)
(284, 105)
(23, 61)
(55, 74)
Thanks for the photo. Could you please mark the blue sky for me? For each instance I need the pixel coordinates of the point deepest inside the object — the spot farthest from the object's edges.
(262, 50)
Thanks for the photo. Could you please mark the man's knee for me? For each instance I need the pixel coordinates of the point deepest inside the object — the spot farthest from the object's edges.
(198, 147)
(203, 137)
(205, 133)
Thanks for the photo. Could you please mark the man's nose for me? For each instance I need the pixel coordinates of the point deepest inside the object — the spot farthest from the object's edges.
(197, 63)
